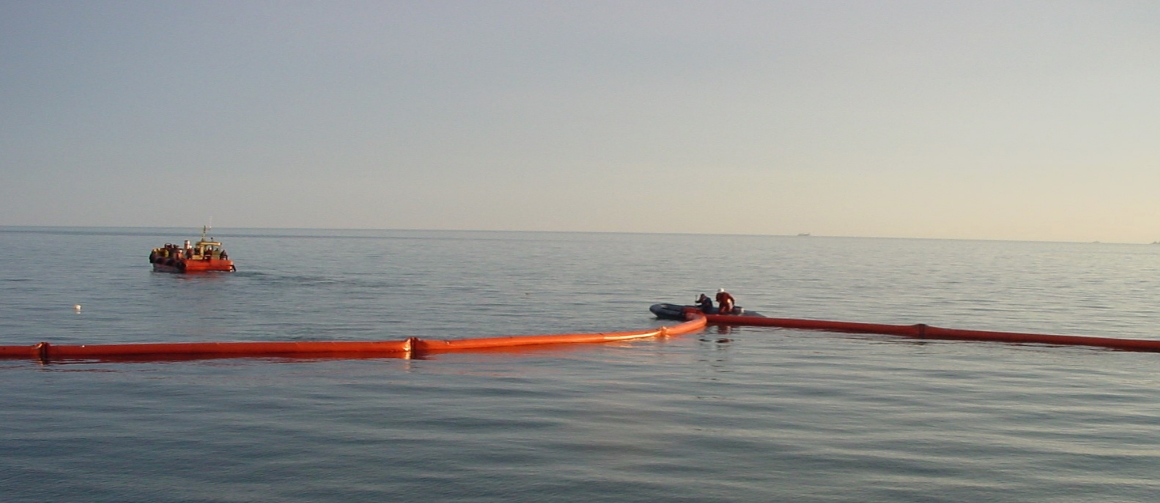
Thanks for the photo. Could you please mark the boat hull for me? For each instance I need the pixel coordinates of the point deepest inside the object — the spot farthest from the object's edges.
(677, 312)
(194, 266)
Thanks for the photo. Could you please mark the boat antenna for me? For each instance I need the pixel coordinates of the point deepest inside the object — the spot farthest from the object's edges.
(205, 228)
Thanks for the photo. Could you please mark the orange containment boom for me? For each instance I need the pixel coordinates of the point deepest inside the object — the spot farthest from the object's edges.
(922, 331)
(408, 348)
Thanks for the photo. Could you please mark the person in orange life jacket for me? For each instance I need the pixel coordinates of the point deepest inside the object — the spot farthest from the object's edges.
(705, 303)
(725, 301)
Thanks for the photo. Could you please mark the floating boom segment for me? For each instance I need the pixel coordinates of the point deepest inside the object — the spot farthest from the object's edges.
(421, 345)
(922, 331)
(407, 348)
(194, 350)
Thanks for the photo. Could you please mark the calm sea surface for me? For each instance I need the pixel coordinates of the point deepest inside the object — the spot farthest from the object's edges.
(770, 415)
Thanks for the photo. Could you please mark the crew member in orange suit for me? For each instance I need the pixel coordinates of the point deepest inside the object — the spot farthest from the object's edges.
(725, 302)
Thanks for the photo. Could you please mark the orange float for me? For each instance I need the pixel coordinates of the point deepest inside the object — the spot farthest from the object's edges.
(415, 347)
(407, 348)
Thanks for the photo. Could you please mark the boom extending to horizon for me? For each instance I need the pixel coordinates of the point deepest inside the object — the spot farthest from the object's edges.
(415, 347)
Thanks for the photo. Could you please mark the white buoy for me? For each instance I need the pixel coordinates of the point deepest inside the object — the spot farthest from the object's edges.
(77, 308)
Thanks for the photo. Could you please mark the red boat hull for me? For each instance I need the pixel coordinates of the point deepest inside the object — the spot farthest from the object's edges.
(194, 265)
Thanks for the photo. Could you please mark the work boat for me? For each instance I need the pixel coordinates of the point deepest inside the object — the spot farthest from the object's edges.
(203, 256)
(677, 311)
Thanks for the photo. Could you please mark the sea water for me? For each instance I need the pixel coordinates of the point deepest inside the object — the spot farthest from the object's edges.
(730, 414)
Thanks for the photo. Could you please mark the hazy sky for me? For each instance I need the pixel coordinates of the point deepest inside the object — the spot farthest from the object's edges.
(931, 119)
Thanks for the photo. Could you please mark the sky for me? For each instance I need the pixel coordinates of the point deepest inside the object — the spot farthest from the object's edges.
(1005, 120)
